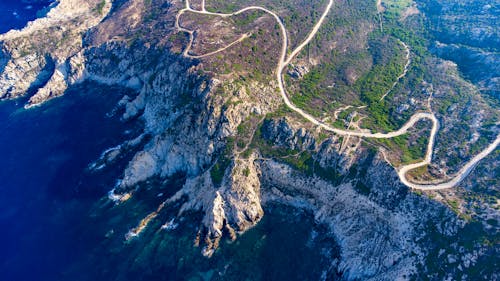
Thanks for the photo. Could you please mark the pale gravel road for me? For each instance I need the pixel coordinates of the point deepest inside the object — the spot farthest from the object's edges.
(284, 61)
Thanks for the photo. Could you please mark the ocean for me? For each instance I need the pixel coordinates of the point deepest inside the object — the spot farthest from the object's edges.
(43, 186)
(57, 223)
(14, 14)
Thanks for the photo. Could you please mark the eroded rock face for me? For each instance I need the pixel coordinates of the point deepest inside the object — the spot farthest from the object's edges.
(54, 39)
(378, 235)
(189, 116)
(376, 221)
(478, 65)
(281, 132)
(373, 239)
(233, 206)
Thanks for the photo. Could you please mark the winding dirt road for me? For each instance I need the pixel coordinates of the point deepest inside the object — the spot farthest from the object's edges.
(284, 61)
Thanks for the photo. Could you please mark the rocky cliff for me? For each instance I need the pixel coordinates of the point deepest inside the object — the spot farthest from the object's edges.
(42, 56)
(233, 142)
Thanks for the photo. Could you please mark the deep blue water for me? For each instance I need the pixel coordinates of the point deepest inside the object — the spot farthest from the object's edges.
(43, 153)
(14, 14)
(44, 191)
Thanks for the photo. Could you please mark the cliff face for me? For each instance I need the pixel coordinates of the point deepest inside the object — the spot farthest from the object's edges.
(39, 56)
(465, 35)
(192, 118)
(375, 219)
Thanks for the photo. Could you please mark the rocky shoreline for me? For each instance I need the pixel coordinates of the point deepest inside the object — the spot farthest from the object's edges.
(190, 119)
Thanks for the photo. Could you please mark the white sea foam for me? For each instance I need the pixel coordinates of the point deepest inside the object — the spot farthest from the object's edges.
(131, 234)
(170, 225)
(113, 196)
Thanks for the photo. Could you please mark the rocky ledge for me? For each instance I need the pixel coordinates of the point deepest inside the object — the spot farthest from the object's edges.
(45, 57)
(191, 120)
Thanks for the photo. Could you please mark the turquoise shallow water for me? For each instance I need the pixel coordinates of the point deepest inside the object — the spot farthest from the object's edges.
(285, 245)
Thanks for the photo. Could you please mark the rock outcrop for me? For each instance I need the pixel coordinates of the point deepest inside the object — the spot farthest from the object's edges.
(53, 39)
(191, 118)
(233, 206)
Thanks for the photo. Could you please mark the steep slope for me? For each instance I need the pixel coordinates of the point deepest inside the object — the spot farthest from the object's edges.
(216, 121)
